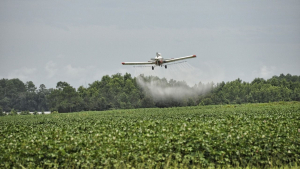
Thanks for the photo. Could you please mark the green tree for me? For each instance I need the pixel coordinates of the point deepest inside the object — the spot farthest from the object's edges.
(147, 102)
(10, 91)
(54, 99)
(190, 102)
(41, 98)
(6, 104)
(70, 98)
(61, 85)
(30, 87)
(85, 97)
(207, 101)
(64, 98)
(1, 112)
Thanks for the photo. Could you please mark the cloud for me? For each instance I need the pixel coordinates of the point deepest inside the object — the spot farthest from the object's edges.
(68, 72)
(78, 75)
(264, 72)
(60, 56)
(51, 69)
(77, 72)
(23, 74)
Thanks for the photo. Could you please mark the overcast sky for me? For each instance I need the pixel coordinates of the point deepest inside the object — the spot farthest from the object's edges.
(80, 41)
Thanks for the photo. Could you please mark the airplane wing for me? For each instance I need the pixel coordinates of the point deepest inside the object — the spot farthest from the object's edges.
(137, 63)
(177, 59)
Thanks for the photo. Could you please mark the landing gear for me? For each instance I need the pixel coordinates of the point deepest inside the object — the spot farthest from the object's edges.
(152, 67)
(166, 66)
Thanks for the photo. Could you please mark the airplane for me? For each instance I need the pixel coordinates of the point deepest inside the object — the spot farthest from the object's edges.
(158, 61)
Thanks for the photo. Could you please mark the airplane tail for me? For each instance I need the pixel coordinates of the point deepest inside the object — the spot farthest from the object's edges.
(157, 54)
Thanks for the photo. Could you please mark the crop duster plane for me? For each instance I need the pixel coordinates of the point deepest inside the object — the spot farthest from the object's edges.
(159, 61)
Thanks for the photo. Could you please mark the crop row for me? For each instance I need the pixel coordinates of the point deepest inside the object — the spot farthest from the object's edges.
(244, 135)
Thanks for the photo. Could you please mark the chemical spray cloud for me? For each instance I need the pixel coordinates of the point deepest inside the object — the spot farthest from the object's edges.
(161, 89)
(188, 84)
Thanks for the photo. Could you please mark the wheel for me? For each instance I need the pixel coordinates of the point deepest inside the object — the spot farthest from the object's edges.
(152, 67)
(166, 66)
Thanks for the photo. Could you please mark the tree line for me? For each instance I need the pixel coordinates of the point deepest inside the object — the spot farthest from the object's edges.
(125, 92)
(277, 88)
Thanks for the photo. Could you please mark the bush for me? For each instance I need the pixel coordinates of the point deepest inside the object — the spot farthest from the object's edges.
(206, 101)
(13, 112)
(25, 112)
(54, 112)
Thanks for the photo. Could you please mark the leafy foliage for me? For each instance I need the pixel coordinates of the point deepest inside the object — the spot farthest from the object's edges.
(13, 112)
(246, 135)
(282, 88)
(14, 94)
(54, 112)
(25, 113)
(124, 92)
(1, 112)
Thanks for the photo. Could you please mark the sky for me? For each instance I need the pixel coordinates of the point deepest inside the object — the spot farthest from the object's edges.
(80, 41)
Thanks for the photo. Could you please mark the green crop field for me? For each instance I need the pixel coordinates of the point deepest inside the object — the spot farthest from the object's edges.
(248, 135)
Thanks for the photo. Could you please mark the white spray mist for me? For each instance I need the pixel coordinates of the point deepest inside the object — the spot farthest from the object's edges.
(161, 89)
(185, 80)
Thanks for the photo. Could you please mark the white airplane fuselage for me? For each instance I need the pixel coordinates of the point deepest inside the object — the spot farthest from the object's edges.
(158, 61)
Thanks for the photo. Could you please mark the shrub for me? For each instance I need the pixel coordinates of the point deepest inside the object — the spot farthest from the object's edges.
(54, 112)
(25, 112)
(13, 112)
